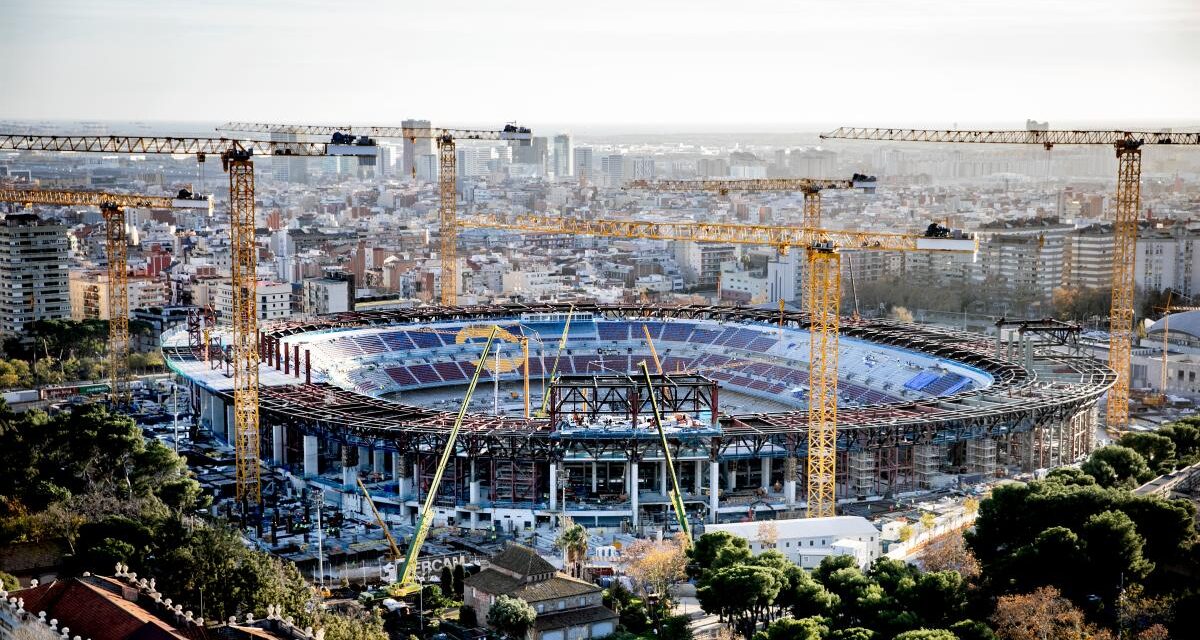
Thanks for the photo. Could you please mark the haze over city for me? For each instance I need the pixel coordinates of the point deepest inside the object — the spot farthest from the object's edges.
(580, 320)
(685, 65)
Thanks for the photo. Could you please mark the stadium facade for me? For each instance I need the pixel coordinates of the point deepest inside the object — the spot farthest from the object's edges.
(373, 394)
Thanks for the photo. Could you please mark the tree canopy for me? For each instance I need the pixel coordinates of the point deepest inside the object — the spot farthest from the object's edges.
(511, 616)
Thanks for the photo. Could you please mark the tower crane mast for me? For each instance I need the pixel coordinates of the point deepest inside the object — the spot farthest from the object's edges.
(237, 159)
(1128, 146)
(112, 207)
(447, 172)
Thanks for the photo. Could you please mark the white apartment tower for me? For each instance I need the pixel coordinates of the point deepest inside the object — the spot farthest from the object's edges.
(564, 159)
(33, 272)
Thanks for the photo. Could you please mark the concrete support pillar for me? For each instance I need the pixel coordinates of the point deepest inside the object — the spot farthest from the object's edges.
(403, 473)
(553, 485)
(230, 425)
(216, 414)
(664, 483)
(364, 458)
(766, 474)
(349, 470)
(377, 461)
(475, 489)
(311, 459)
(714, 489)
(287, 360)
(699, 480)
(595, 483)
(277, 444)
(730, 476)
(789, 480)
(633, 493)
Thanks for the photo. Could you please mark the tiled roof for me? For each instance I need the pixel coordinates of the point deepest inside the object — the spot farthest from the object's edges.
(492, 582)
(560, 586)
(93, 611)
(572, 618)
(522, 560)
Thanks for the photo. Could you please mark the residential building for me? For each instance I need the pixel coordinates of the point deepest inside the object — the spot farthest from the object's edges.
(567, 608)
(743, 286)
(89, 294)
(1087, 261)
(585, 163)
(33, 272)
(274, 300)
(1027, 256)
(1166, 258)
(288, 169)
(640, 168)
(328, 295)
(807, 541)
(414, 148)
(563, 156)
(701, 262)
(613, 167)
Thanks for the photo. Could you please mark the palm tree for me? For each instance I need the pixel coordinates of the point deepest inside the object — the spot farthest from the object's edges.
(573, 540)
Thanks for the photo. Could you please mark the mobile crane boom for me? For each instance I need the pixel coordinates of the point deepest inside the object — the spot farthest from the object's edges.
(396, 555)
(408, 584)
(562, 345)
(676, 494)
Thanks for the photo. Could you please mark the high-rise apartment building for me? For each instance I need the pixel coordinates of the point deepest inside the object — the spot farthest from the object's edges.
(701, 262)
(563, 156)
(415, 148)
(1087, 262)
(640, 168)
(585, 163)
(33, 272)
(1026, 256)
(613, 167)
(288, 169)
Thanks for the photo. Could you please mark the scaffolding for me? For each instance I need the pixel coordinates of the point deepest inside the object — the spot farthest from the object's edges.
(862, 473)
(927, 460)
(981, 456)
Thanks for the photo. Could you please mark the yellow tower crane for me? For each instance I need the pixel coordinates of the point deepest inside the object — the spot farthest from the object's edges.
(810, 187)
(447, 172)
(112, 207)
(237, 159)
(1128, 145)
(824, 248)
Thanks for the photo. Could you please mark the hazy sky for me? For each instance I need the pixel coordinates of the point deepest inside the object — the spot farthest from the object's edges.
(687, 64)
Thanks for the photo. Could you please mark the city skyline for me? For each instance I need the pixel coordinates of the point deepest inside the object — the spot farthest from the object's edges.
(688, 66)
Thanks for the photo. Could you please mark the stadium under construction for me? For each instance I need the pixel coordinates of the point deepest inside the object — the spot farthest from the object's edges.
(372, 395)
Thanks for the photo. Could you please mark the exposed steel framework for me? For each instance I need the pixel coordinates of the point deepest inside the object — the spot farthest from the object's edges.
(823, 256)
(112, 207)
(1128, 145)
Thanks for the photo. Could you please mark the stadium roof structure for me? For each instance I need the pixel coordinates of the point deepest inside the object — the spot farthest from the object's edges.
(1055, 387)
